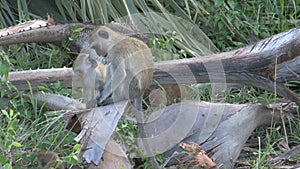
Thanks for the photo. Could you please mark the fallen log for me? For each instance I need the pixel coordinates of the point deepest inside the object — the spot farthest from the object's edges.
(220, 129)
(40, 31)
(187, 71)
(287, 71)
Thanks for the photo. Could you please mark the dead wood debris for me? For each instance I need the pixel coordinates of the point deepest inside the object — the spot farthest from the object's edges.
(287, 159)
(199, 156)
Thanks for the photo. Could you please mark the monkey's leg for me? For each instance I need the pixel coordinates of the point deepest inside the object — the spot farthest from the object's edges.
(139, 119)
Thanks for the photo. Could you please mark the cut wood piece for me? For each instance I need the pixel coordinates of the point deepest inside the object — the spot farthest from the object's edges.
(57, 102)
(40, 77)
(17, 29)
(39, 31)
(220, 129)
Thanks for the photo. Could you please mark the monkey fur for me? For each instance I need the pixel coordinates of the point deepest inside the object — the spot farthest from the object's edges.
(130, 61)
(90, 75)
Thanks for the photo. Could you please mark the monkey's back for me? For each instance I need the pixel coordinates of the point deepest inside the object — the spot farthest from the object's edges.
(138, 60)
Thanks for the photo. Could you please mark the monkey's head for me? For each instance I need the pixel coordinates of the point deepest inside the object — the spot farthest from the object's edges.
(83, 64)
(103, 39)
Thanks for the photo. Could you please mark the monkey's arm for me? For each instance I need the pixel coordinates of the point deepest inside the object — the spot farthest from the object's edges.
(89, 93)
(116, 75)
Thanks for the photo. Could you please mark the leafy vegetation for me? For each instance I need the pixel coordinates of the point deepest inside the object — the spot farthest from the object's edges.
(27, 128)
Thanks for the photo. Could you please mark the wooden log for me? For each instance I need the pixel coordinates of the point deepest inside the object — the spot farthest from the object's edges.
(40, 77)
(39, 31)
(288, 71)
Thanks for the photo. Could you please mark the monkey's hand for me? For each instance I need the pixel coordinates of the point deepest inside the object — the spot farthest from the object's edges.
(104, 97)
(115, 78)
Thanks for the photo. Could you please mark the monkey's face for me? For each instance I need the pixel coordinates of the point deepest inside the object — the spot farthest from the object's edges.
(100, 40)
(84, 73)
(103, 39)
(83, 64)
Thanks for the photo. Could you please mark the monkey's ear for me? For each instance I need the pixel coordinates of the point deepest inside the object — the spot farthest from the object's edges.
(103, 34)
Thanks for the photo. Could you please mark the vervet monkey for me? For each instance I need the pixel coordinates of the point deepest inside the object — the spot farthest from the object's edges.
(130, 62)
(90, 75)
(130, 69)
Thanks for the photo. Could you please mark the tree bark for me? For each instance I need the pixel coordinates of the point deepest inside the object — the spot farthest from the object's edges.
(221, 129)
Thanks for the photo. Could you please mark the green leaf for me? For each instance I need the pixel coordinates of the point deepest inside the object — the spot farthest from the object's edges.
(4, 112)
(79, 29)
(13, 124)
(7, 166)
(8, 145)
(11, 132)
(11, 113)
(74, 159)
(3, 69)
(218, 3)
(3, 159)
(17, 144)
(71, 159)
(76, 147)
